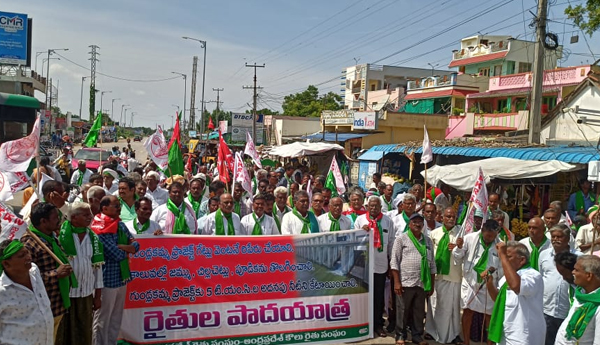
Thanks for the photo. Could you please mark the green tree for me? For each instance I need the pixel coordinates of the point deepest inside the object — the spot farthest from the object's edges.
(263, 111)
(586, 16)
(221, 115)
(308, 103)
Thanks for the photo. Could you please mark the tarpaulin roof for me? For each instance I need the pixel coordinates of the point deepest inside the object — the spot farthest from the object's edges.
(463, 176)
(300, 149)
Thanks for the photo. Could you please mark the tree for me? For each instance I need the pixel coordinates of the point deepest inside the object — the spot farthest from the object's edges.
(221, 115)
(308, 103)
(263, 111)
(586, 16)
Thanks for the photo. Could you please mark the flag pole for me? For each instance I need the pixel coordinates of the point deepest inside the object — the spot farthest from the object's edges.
(425, 184)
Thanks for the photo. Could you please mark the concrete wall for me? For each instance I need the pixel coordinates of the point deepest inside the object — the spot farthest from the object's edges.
(402, 127)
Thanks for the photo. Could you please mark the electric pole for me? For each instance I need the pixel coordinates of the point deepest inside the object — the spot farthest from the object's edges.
(218, 103)
(192, 124)
(535, 123)
(255, 66)
(93, 60)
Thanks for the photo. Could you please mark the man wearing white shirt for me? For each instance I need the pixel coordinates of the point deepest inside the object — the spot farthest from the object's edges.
(213, 206)
(223, 222)
(300, 220)
(111, 181)
(142, 224)
(257, 222)
(132, 163)
(333, 220)
(25, 312)
(429, 213)
(387, 203)
(176, 216)
(82, 174)
(402, 219)
(494, 204)
(159, 195)
(579, 328)
(445, 198)
(281, 207)
(518, 312)
(537, 242)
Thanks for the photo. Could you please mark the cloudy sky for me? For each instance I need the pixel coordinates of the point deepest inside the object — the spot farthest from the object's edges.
(301, 42)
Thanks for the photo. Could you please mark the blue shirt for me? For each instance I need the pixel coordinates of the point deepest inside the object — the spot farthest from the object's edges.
(111, 269)
(572, 207)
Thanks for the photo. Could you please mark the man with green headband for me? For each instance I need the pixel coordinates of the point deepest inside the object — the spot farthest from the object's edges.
(176, 216)
(537, 242)
(412, 255)
(477, 253)
(58, 279)
(582, 321)
(300, 220)
(86, 255)
(257, 222)
(118, 244)
(518, 315)
(223, 222)
(443, 320)
(25, 311)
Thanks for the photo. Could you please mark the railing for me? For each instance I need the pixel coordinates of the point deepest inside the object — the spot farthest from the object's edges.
(481, 49)
(21, 72)
(555, 77)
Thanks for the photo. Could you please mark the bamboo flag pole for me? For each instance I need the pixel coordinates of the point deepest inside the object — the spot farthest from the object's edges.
(44, 247)
(425, 184)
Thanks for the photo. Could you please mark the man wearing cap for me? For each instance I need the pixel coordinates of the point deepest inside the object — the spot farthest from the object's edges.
(382, 227)
(82, 174)
(537, 242)
(585, 234)
(25, 312)
(109, 185)
(477, 253)
(196, 195)
(158, 194)
(397, 206)
(412, 255)
(581, 200)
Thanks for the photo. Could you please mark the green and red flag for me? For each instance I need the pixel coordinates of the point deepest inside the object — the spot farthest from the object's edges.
(175, 157)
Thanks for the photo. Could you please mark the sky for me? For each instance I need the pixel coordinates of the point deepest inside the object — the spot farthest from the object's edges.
(301, 43)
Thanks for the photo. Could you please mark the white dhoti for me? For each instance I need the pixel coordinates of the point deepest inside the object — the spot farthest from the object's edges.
(443, 317)
(481, 303)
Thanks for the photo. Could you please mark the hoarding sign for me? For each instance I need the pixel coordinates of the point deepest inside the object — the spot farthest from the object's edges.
(337, 117)
(13, 38)
(242, 123)
(365, 120)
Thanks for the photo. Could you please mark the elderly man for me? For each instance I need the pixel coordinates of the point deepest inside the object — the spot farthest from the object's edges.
(558, 206)
(588, 233)
(333, 220)
(443, 322)
(300, 220)
(223, 222)
(159, 195)
(383, 232)
(142, 224)
(556, 290)
(118, 243)
(109, 184)
(517, 317)
(176, 217)
(537, 242)
(477, 253)
(413, 256)
(82, 174)
(281, 208)
(257, 223)
(86, 256)
(583, 320)
(355, 206)
(387, 202)
(127, 198)
(57, 278)
(94, 195)
(402, 219)
(582, 200)
(316, 205)
(25, 310)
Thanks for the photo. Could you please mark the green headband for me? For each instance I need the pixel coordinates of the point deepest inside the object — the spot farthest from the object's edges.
(11, 250)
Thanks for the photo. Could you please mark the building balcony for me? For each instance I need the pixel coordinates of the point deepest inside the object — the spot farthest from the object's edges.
(23, 75)
(471, 123)
(552, 78)
(481, 49)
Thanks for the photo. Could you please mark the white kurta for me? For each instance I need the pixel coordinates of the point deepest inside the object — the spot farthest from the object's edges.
(585, 235)
(114, 188)
(381, 258)
(524, 322)
(151, 229)
(268, 225)
(161, 215)
(160, 195)
(443, 323)
(469, 255)
(210, 225)
(589, 337)
(384, 204)
(325, 223)
(291, 224)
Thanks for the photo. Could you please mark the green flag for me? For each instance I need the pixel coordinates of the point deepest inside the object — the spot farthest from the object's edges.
(175, 156)
(330, 183)
(92, 137)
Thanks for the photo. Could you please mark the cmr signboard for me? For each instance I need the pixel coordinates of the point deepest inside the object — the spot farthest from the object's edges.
(15, 39)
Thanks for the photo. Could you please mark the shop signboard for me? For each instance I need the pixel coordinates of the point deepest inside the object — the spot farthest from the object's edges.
(242, 123)
(365, 120)
(337, 117)
(14, 37)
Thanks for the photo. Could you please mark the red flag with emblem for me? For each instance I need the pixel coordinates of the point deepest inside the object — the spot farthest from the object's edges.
(224, 160)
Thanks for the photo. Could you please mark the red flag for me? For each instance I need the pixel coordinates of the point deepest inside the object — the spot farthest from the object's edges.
(176, 135)
(211, 125)
(224, 160)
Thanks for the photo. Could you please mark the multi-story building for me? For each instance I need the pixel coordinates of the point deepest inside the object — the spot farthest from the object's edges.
(21, 80)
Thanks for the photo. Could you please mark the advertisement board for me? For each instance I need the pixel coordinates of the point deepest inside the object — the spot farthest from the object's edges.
(337, 117)
(365, 120)
(14, 39)
(242, 123)
(250, 289)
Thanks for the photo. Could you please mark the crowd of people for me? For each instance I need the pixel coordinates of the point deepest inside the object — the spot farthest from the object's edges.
(64, 282)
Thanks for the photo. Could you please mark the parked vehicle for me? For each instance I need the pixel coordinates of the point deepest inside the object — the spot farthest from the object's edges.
(94, 157)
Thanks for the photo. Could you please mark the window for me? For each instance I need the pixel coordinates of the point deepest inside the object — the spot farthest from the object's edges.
(484, 72)
(497, 70)
(502, 104)
(461, 69)
(549, 101)
(524, 67)
(510, 67)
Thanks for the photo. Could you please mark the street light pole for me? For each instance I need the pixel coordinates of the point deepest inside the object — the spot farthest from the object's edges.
(203, 45)
(36, 57)
(184, 91)
(131, 122)
(121, 118)
(102, 95)
(48, 104)
(125, 117)
(81, 98)
(112, 108)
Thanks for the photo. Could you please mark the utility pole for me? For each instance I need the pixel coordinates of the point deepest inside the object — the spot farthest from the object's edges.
(192, 124)
(535, 117)
(218, 102)
(81, 99)
(255, 66)
(94, 53)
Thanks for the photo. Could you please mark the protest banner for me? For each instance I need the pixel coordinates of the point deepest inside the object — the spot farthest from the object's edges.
(12, 227)
(250, 289)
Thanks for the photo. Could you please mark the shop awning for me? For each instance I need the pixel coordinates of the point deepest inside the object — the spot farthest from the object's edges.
(330, 137)
(301, 149)
(463, 176)
(438, 94)
(19, 101)
(371, 156)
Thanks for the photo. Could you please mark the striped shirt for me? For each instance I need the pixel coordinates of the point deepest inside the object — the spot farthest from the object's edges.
(407, 260)
(111, 271)
(88, 278)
